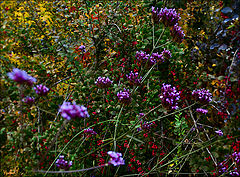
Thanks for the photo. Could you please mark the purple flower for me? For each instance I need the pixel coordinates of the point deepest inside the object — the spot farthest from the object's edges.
(115, 158)
(202, 95)
(103, 82)
(169, 17)
(155, 16)
(28, 100)
(146, 126)
(203, 111)
(169, 96)
(90, 131)
(158, 57)
(177, 33)
(82, 48)
(71, 111)
(144, 58)
(141, 115)
(219, 132)
(124, 96)
(236, 157)
(133, 78)
(41, 90)
(166, 53)
(21, 77)
(63, 164)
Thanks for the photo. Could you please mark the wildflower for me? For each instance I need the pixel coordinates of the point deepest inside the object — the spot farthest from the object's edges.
(21, 77)
(90, 131)
(63, 164)
(219, 132)
(203, 111)
(28, 100)
(158, 57)
(146, 126)
(177, 33)
(202, 95)
(116, 158)
(155, 16)
(41, 90)
(166, 53)
(103, 82)
(71, 111)
(169, 96)
(144, 58)
(169, 17)
(124, 96)
(133, 78)
(82, 48)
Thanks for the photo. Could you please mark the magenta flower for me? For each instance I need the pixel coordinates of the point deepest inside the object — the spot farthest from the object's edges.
(71, 111)
(169, 96)
(124, 96)
(63, 164)
(133, 78)
(166, 53)
(21, 77)
(203, 111)
(90, 131)
(41, 90)
(219, 132)
(28, 100)
(116, 158)
(177, 33)
(103, 82)
(169, 17)
(202, 95)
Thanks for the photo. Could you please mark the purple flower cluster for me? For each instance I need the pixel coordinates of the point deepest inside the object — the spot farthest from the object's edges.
(177, 33)
(115, 158)
(143, 58)
(21, 77)
(223, 166)
(219, 132)
(203, 111)
(41, 90)
(158, 57)
(63, 164)
(82, 48)
(166, 53)
(71, 111)
(28, 100)
(90, 131)
(133, 78)
(168, 17)
(169, 96)
(146, 126)
(202, 95)
(103, 82)
(124, 96)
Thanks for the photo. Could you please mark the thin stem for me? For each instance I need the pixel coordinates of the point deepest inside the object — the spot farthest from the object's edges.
(115, 131)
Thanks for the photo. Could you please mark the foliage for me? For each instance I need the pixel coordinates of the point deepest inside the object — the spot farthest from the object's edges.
(96, 105)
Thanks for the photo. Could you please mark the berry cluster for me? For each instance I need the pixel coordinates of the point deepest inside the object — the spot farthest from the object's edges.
(63, 164)
(169, 96)
(103, 82)
(21, 77)
(115, 158)
(71, 111)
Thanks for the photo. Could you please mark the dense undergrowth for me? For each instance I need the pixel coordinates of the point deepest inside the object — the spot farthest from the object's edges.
(120, 88)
